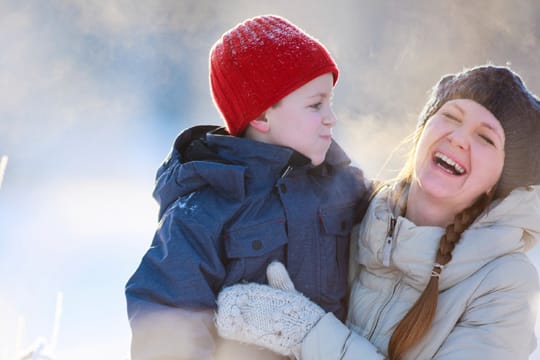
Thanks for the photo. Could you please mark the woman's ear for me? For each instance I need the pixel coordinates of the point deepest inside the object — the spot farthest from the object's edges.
(260, 124)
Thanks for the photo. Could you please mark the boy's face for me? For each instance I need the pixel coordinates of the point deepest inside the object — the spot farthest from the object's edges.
(303, 120)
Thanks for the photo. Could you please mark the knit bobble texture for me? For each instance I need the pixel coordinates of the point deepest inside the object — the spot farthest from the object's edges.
(272, 318)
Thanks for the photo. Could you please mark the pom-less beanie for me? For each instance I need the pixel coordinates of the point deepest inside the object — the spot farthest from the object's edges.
(259, 62)
(504, 94)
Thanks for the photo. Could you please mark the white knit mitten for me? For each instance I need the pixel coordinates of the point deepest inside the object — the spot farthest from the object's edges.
(272, 318)
(278, 277)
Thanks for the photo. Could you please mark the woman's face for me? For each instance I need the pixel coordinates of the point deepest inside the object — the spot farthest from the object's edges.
(460, 154)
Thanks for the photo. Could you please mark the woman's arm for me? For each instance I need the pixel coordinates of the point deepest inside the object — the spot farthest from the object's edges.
(499, 321)
(283, 320)
(331, 339)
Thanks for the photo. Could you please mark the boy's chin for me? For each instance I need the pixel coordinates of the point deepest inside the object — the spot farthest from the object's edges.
(317, 162)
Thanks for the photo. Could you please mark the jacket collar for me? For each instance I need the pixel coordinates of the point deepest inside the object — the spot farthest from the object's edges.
(208, 155)
(247, 150)
(509, 225)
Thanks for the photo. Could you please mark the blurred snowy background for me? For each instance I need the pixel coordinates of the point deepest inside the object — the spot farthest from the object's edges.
(92, 94)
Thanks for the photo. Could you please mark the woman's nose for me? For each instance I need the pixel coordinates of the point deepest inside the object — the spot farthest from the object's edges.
(460, 138)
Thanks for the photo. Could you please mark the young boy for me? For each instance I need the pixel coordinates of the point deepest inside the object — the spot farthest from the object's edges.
(271, 186)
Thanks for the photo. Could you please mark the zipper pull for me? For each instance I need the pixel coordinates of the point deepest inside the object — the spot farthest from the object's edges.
(287, 171)
(387, 250)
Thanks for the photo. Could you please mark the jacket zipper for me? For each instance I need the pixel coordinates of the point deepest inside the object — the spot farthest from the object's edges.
(387, 250)
(286, 171)
(381, 308)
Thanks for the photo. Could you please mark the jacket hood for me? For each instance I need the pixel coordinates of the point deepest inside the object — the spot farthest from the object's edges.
(509, 225)
(207, 155)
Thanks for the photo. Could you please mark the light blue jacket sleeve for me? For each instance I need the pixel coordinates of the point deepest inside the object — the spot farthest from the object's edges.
(499, 321)
(331, 339)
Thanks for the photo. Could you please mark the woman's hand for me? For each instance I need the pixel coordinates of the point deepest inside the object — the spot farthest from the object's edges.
(277, 318)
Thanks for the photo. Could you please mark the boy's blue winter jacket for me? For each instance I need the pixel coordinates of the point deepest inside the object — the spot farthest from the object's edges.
(230, 205)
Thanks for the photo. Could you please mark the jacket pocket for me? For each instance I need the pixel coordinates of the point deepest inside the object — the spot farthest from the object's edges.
(336, 222)
(251, 248)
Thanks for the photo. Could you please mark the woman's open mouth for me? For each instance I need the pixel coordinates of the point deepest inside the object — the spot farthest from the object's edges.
(448, 165)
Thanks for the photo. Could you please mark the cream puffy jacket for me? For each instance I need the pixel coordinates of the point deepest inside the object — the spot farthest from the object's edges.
(488, 292)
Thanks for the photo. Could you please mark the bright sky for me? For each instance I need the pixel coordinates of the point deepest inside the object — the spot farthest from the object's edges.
(92, 94)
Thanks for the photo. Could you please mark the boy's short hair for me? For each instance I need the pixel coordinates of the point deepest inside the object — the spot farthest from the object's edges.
(259, 62)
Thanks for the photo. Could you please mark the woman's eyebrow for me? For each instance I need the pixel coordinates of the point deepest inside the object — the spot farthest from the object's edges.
(460, 109)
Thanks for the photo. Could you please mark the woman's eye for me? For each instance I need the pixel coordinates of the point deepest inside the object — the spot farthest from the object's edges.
(451, 117)
(487, 139)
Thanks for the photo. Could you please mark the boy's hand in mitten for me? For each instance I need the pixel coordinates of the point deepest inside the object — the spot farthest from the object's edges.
(275, 318)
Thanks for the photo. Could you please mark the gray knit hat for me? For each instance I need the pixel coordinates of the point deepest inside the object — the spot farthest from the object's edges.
(504, 94)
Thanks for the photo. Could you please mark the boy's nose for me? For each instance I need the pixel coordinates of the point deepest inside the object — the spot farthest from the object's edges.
(330, 119)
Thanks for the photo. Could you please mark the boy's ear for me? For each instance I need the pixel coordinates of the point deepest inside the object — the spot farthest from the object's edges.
(260, 124)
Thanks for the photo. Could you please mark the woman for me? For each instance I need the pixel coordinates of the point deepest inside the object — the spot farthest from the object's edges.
(438, 264)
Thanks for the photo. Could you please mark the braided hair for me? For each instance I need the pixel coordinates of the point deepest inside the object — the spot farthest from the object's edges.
(416, 323)
(504, 94)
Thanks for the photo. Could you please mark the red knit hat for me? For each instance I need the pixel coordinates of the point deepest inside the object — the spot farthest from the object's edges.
(259, 62)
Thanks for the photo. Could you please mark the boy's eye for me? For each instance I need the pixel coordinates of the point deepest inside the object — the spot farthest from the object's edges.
(316, 106)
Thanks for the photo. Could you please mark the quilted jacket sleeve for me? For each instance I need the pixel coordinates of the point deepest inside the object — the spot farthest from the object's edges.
(499, 321)
(331, 339)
